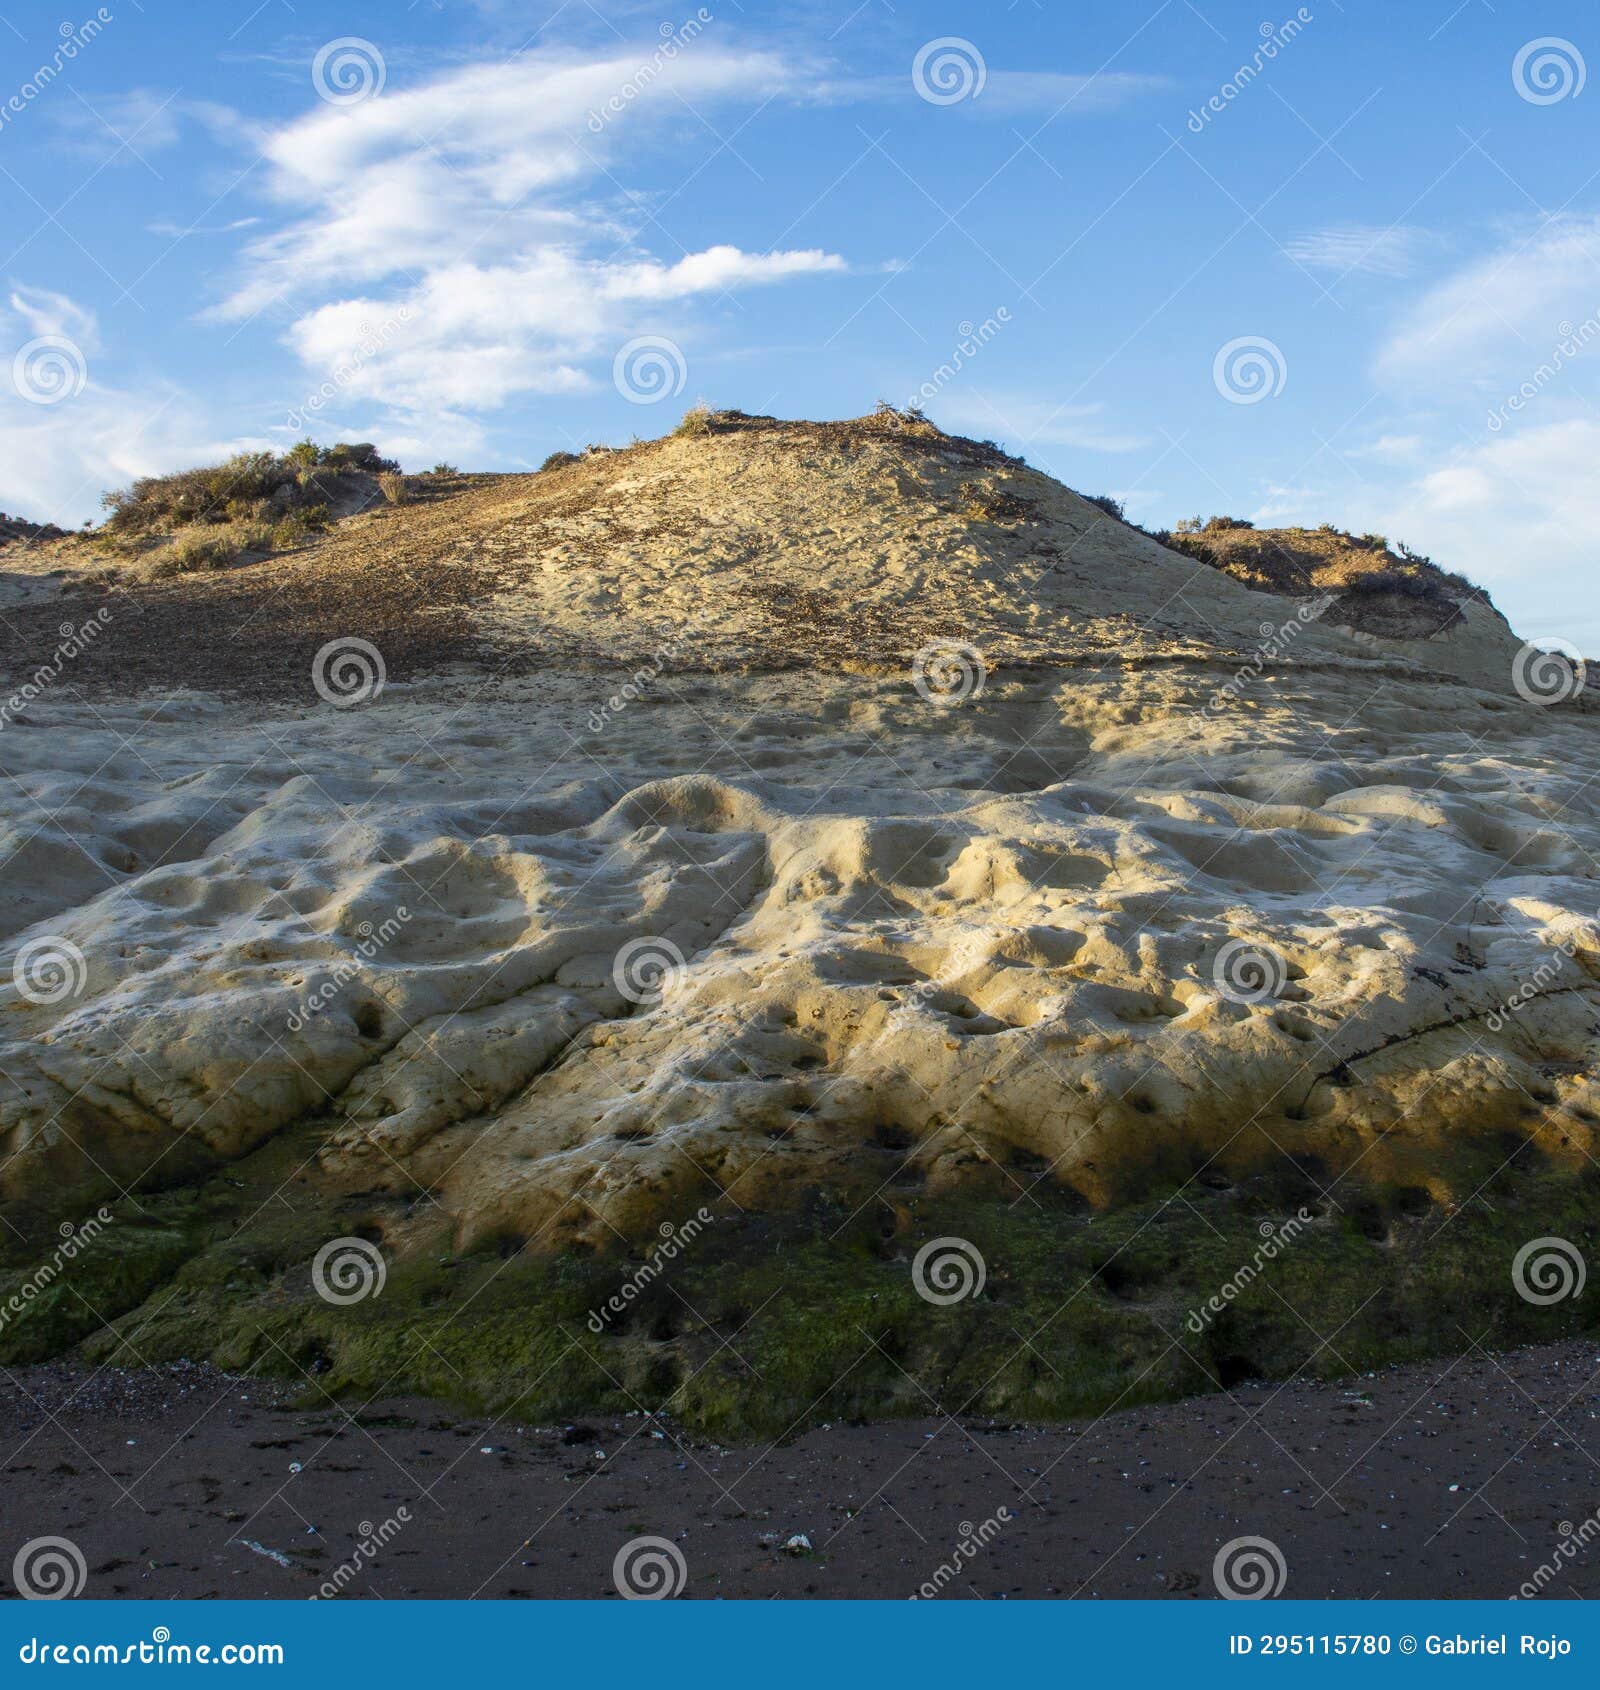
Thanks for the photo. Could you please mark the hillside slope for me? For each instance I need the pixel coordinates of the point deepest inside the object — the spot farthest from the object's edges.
(755, 544)
(832, 826)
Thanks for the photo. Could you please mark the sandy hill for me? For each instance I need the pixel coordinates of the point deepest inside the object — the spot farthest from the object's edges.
(820, 838)
(743, 543)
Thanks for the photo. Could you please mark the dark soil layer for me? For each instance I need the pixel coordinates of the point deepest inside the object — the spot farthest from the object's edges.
(1453, 1479)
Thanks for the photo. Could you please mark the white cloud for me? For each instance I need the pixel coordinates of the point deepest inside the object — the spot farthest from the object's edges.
(1499, 317)
(177, 231)
(57, 458)
(1008, 93)
(120, 128)
(1024, 421)
(1288, 507)
(56, 461)
(1505, 355)
(467, 165)
(1518, 514)
(473, 336)
(45, 313)
(1389, 448)
(1358, 248)
(436, 256)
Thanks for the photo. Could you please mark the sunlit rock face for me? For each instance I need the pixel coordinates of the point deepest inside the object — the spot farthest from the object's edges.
(783, 807)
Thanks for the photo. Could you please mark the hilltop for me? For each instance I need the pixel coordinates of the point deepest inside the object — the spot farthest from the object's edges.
(743, 543)
(809, 842)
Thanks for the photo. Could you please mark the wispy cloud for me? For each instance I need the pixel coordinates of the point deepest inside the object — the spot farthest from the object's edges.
(177, 231)
(1029, 420)
(456, 207)
(1003, 93)
(1517, 513)
(45, 312)
(472, 336)
(119, 128)
(1483, 324)
(1389, 448)
(56, 459)
(1361, 249)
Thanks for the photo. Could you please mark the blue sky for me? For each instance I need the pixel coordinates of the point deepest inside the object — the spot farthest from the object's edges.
(438, 226)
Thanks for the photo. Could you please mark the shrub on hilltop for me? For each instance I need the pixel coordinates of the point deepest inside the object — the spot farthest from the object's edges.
(253, 502)
(1111, 506)
(258, 486)
(1397, 593)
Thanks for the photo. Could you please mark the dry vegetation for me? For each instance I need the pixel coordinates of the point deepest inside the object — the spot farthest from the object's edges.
(579, 562)
(1393, 592)
(249, 506)
(19, 528)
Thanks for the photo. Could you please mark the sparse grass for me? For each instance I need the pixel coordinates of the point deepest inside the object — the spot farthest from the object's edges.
(213, 547)
(393, 486)
(444, 469)
(696, 422)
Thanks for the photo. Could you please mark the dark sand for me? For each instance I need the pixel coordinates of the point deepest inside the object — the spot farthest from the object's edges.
(1451, 1479)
